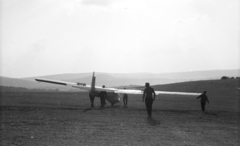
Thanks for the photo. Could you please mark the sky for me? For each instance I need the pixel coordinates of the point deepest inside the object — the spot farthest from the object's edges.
(43, 37)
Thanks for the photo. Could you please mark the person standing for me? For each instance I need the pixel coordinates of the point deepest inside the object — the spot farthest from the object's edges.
(149, 96)
(102, 96)
(204, 99)
(91, 99)
(125, 98)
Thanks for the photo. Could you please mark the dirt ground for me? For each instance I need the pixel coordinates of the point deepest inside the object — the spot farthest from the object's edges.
(33, 119)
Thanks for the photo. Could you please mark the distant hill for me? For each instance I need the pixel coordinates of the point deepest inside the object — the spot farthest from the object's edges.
(202, 75)
(22, 89)
(118, 79)
(66, 76)
(214, 86)
(5, 81)
(183, 76)
(111, 81)
(13, 82)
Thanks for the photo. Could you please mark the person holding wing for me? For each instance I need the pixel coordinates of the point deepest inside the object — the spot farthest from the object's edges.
(149, 96)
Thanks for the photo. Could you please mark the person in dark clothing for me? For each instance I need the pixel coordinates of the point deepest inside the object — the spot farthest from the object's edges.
(125, 98)
(204, 98)
(102, 96)
(92, 99)
(149, 96)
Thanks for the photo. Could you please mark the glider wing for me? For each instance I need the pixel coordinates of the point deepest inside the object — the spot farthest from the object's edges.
(127, 91)
(114, 90)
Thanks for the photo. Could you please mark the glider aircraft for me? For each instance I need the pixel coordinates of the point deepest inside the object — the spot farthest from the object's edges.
(113, 94)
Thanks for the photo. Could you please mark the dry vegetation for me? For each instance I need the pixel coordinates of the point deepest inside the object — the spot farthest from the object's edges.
(63, 118)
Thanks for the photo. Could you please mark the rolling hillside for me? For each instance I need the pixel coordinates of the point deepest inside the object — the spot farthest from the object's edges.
(118, 79)
(223, 91)
(183, 76)
(13, 82)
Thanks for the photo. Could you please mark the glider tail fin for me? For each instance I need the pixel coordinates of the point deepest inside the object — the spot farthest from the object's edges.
(92, 92)
(93, 82)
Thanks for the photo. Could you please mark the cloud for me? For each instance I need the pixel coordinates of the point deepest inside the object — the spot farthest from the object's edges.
(70, 6)
(97, 2)
(39, 46)
(190, 20)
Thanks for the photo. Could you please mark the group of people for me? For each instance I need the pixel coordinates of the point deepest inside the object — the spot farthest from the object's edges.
(103, 95)
(149, 96)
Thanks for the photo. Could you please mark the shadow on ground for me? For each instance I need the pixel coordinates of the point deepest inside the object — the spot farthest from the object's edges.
(152, 122)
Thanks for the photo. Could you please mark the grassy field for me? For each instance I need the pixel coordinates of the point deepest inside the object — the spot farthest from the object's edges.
(63, 118)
